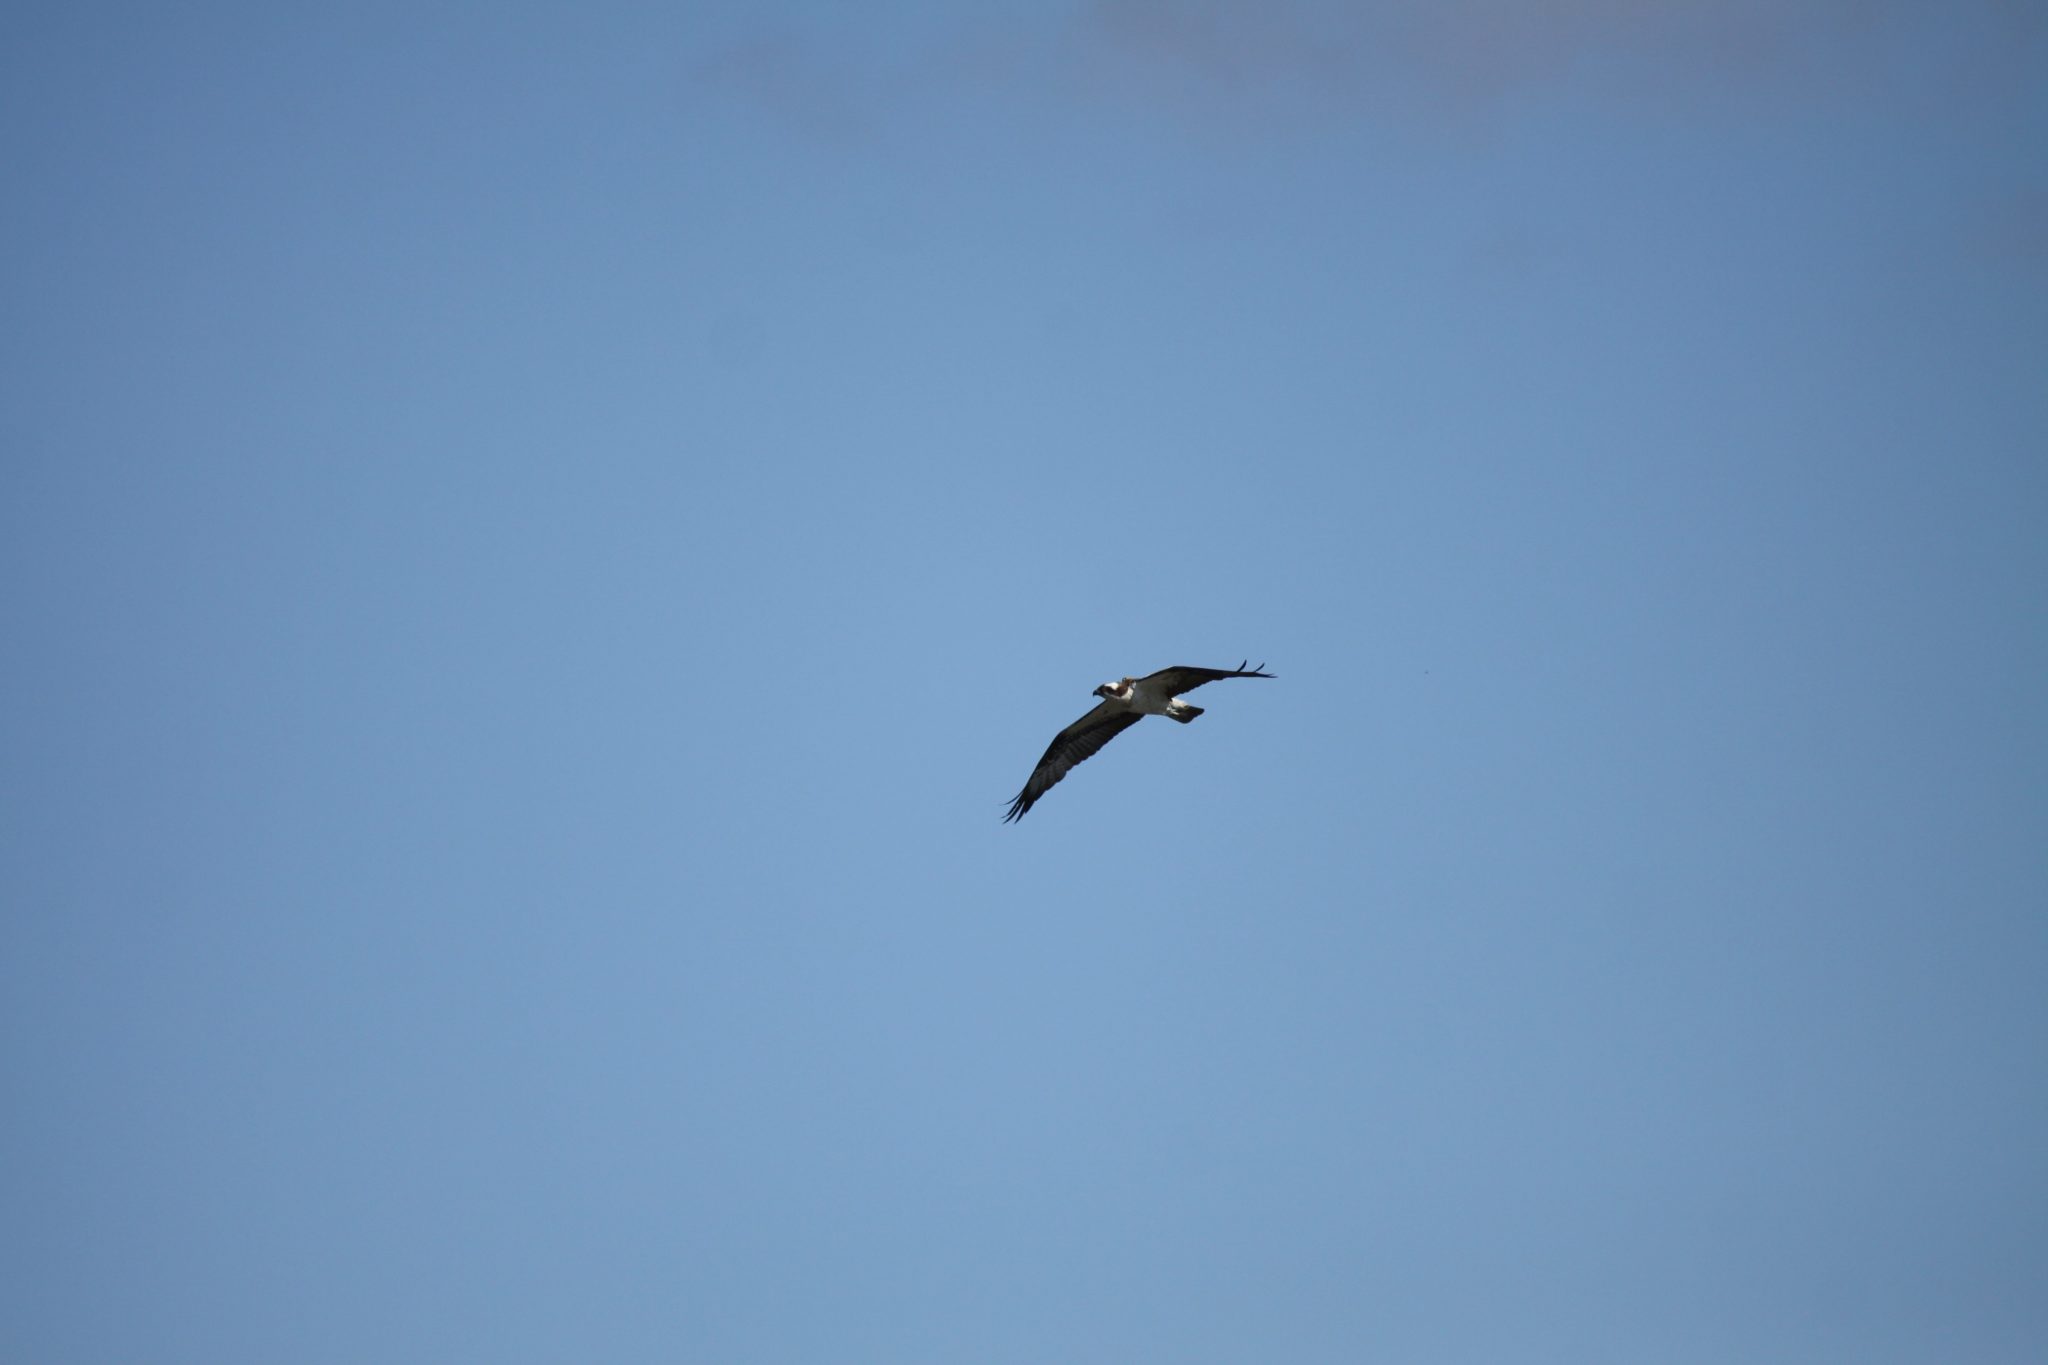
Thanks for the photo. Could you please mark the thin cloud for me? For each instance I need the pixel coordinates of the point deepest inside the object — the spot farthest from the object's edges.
(1450, 60)
(793, 79)
(1454, 52)
(1465, 56)
(2013, 230)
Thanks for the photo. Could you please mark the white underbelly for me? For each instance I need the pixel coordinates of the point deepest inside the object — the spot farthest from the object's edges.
(1150, 701)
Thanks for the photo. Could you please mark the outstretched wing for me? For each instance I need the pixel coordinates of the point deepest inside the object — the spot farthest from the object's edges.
(1181, 678)
(1075, 744)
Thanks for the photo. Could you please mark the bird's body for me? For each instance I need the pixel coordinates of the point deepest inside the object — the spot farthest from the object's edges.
(1148, 697)
(1124, 703)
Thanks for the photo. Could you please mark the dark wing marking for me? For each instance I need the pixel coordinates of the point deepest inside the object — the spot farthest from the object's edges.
(1075, 744)
(1181, 678)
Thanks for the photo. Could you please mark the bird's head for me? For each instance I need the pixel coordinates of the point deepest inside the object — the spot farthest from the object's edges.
(1109, 690)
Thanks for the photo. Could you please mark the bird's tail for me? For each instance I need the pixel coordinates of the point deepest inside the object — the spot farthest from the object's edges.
(1183, 712)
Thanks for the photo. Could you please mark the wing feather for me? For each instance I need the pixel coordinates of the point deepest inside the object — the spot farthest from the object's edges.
(1075, 744)
(1182, 678)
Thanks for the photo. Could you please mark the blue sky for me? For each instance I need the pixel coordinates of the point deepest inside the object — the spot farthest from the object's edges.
(537, 542)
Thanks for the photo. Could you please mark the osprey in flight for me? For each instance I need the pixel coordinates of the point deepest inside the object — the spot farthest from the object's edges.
(1125, 702)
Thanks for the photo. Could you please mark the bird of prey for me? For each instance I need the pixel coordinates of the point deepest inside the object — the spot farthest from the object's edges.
(1125, 702)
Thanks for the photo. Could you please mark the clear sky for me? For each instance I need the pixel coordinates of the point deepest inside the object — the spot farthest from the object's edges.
(536, 542)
